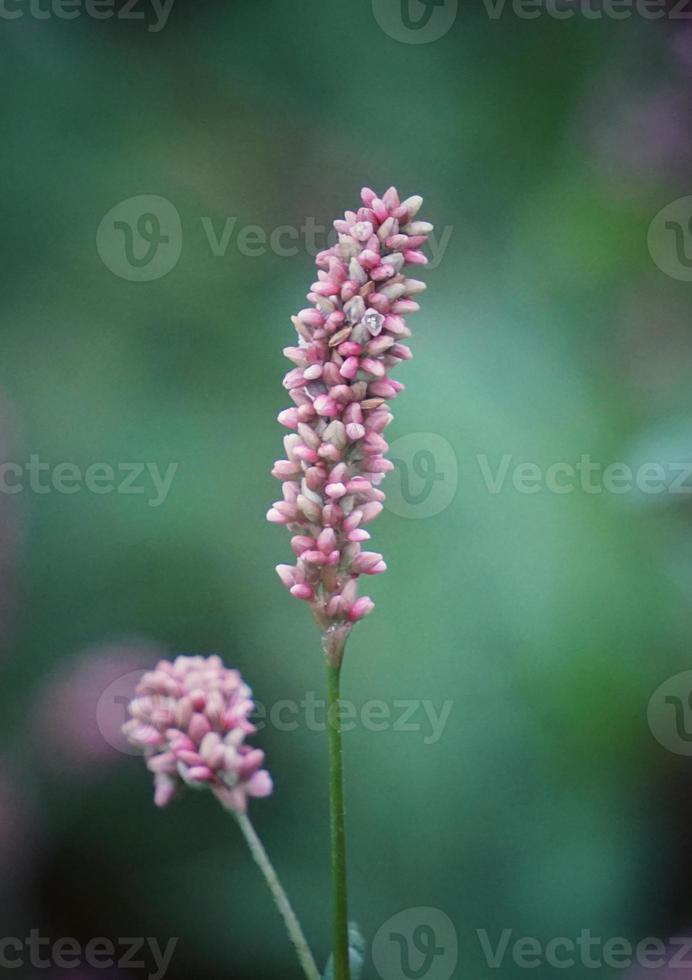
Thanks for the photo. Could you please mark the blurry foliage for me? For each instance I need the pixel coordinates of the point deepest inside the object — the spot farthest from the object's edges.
(546, 806)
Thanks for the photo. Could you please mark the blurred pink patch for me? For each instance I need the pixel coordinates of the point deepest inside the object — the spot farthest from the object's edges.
(653, 346)
(82, 708)
(682, 46)
(640, 135)
(672, 962)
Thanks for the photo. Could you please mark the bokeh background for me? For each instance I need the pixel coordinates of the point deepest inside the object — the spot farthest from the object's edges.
(544, 149)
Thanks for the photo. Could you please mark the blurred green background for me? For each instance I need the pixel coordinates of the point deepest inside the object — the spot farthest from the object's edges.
(543, 148)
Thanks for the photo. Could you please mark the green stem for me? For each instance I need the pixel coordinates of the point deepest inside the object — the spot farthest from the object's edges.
(337, 816)
(280, 897)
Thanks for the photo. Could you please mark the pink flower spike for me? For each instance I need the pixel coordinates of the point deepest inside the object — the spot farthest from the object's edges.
(349, 342)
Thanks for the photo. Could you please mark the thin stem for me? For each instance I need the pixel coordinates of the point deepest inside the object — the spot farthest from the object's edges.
(280, 897)
(337, 821)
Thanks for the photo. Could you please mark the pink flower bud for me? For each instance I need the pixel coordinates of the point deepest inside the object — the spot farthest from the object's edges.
(373, 366)
(362, 231)
(349, 369)
(415, 257)
(353, 520)
(335, 490)
(312, 317)
(358, 534)
(355, 431)
(302, 591)
(289, 417)
(324, 405)
(326, 542)
(370, 511)
(404, 306)
(360, 608)
(366, 560)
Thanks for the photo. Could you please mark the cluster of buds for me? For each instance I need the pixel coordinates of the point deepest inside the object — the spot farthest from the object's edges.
(348, 340)
(191, 717)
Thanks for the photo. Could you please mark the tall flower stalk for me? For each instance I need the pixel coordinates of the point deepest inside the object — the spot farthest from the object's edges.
(191, 717)
(349, 339)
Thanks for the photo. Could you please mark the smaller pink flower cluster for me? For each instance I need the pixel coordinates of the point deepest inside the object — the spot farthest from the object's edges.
(190, 717)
